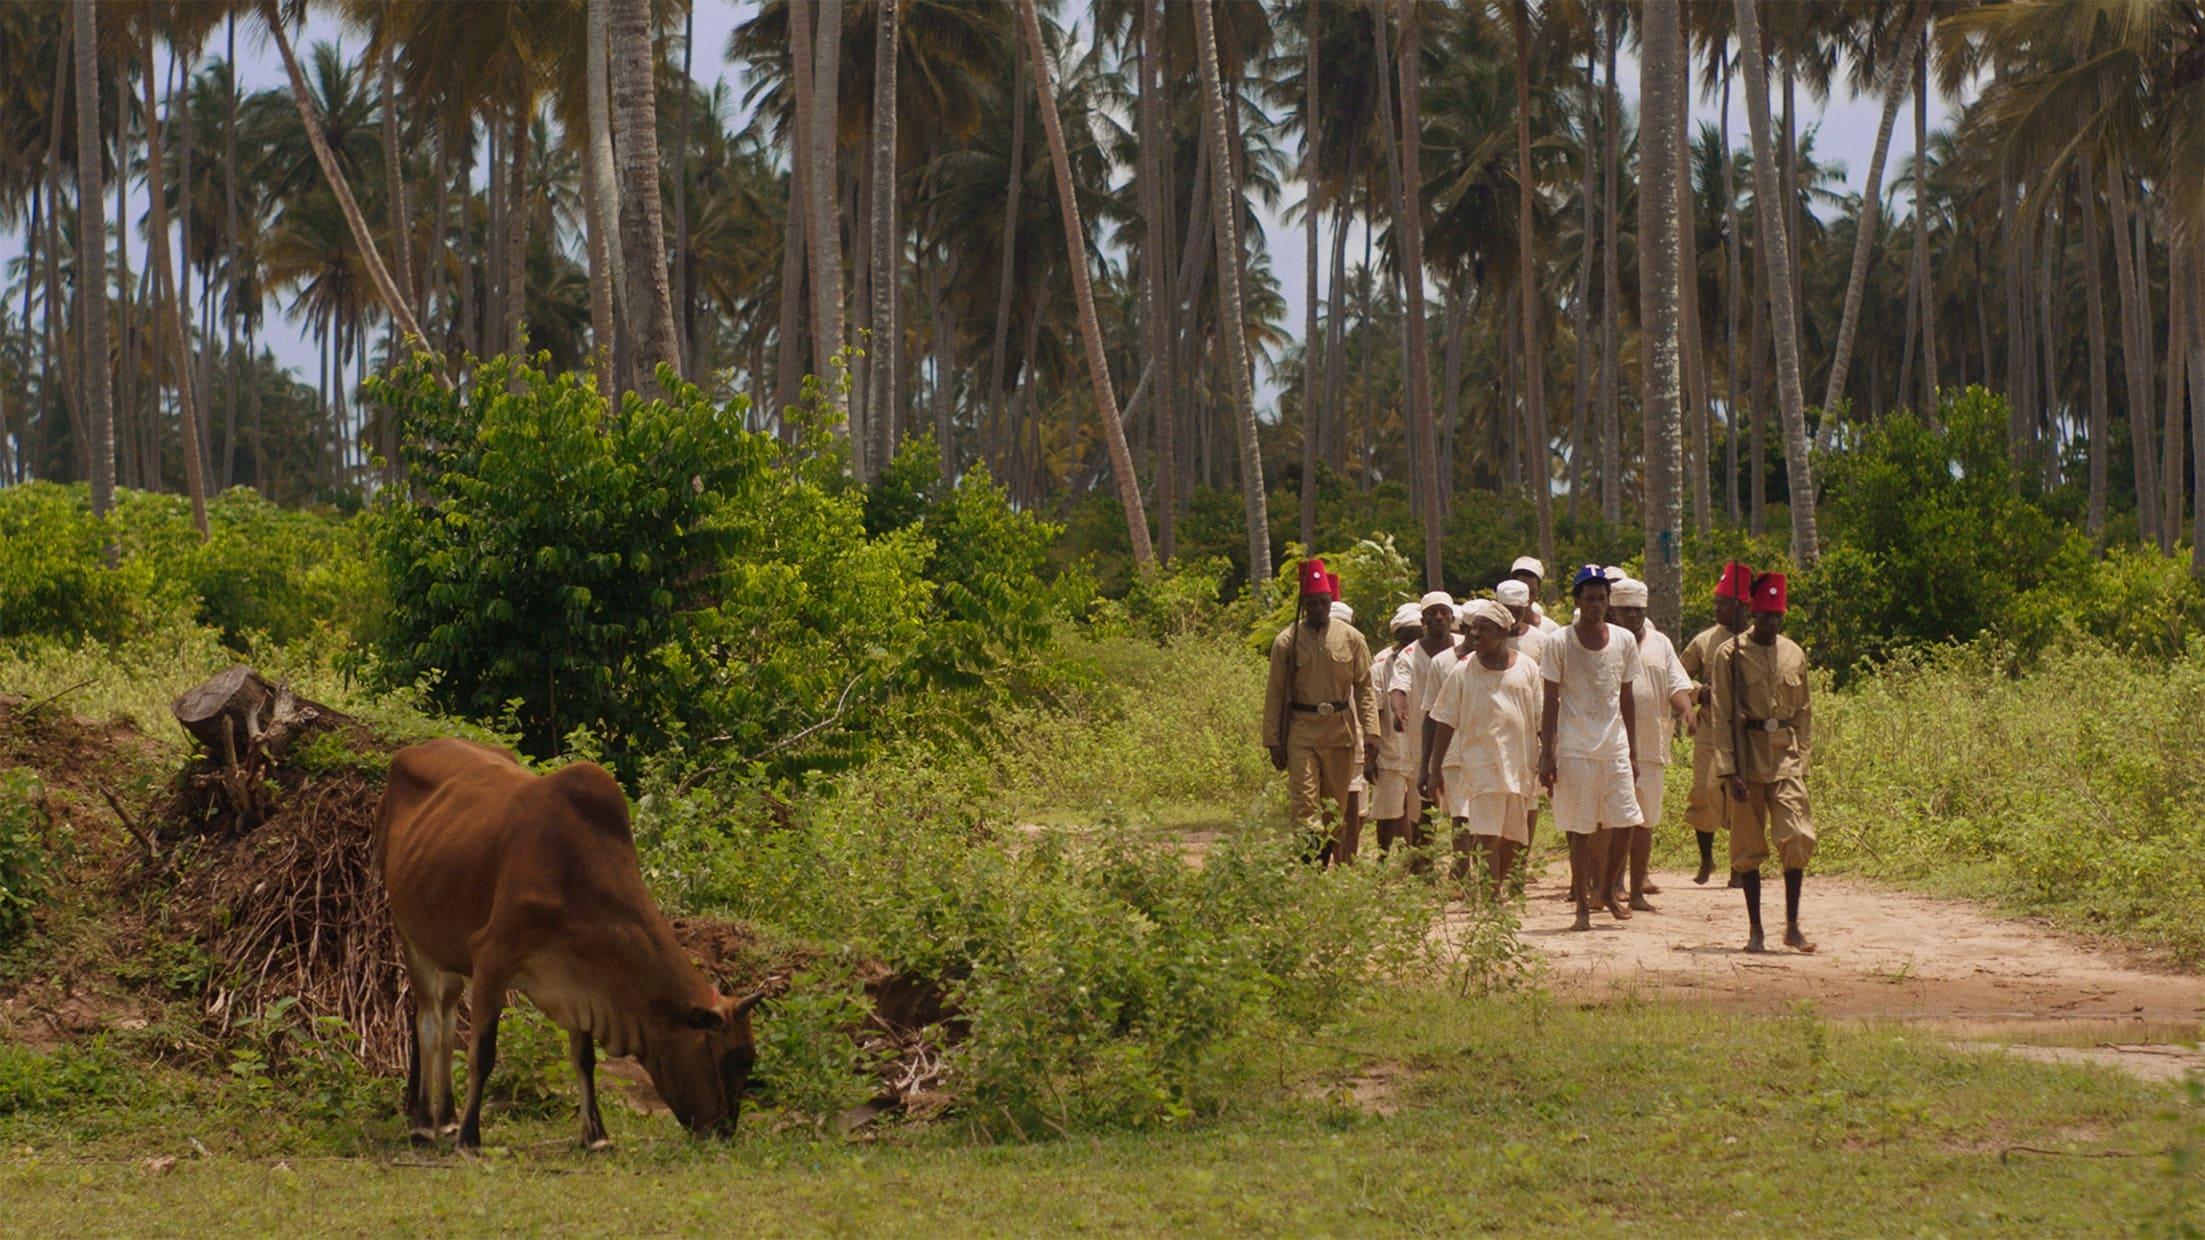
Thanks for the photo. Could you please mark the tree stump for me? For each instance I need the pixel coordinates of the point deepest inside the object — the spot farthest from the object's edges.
(246, 724)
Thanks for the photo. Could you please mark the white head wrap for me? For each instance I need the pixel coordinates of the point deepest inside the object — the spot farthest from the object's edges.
(1529, 564)
(1627, 592)
(1489, 610)
(1513, 594)
(1437, 598)
(1343, 613)
(1407, 616)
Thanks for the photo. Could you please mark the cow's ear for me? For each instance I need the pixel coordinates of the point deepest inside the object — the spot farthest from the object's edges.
(705, 1016)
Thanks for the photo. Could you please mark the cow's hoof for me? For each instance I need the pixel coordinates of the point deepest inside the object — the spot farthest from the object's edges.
(422, 1136)
(597, 1145)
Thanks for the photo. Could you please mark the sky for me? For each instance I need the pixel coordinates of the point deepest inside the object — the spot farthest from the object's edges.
(1846, 137)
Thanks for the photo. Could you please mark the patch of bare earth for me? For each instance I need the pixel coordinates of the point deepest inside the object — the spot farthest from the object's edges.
(1999, 983)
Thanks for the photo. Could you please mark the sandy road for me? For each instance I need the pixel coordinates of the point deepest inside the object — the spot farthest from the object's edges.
(1886, 955)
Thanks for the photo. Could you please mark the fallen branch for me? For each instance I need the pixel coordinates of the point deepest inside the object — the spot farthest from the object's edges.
(2031, 1149)
(50, 699)
(137, 831)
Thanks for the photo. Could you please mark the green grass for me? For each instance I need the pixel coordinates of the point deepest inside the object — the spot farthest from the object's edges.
(1504, 1113)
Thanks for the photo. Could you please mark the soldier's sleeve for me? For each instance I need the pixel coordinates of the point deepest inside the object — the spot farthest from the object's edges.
(1721, 711)
(1691, 658)
(1366, 696)
(1275, 691)
(1803, 719)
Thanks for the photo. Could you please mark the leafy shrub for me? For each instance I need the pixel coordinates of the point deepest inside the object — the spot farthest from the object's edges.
(66, 1078)
(53, 579)
(1375, 577)
(26, 855)
(810, 1062)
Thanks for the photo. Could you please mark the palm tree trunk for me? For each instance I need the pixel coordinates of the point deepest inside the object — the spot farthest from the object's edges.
(1692, 356)
(1864, 238)
(823, 241)
(1925, 288)
(129, 445)
(1160, 309)
(1231, 329)
(1008, 258)
(2173, 451)
(1527, 287)
(1410, 208)
(1581, 299)
(1611, 295)
(2196, 318)
(1799, 470)
(635, 128)
(2046, 428)
(1659, 100)
(167, 302)
(1334, 432)
(880, 402)
(1075, 243)
(945, 365)
(2101, 433)
(516, 242)
(1312, 206)
(394, 179)
(370, 257)
(685, 310)
(2135, 355)
(91, 274)
(608, 275)
(1733, 284)
(230, 245)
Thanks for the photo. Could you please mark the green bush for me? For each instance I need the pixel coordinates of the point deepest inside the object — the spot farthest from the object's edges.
(811, 1063)
(67, 1078)
(53, 579)
(26, 855)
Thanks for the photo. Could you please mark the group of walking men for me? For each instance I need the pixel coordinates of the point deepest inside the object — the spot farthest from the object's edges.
(1480, 708)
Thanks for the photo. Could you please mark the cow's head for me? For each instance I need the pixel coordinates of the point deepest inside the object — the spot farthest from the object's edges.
(701, 1064)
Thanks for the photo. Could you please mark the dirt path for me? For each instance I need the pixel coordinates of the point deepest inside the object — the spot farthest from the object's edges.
(1949, 964)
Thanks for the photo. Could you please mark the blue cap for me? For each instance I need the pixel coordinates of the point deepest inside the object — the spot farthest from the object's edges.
(1590, 572)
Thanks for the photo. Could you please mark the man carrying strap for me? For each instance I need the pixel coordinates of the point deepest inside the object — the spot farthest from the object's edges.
(1763, 737)
(1708, 808)
(1318, 704)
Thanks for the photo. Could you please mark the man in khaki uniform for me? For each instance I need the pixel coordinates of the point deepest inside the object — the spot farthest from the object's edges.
(1763, 736)
(1707, 810)
(1318, 705)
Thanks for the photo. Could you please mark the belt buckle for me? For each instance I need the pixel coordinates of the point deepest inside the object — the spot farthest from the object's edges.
(1325, 710)
(1771, 725)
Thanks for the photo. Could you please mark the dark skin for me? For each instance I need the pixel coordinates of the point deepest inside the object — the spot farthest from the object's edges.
(1388, 832)
(1591, 866)
(1767, 626)
(1632, 620)
(1489, 645)
(1439, 635)
(1317, 614)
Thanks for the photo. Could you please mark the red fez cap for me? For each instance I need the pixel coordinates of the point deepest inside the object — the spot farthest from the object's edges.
(1736, 582)
(1770, 593)
(1332, 583)
(1315, 580)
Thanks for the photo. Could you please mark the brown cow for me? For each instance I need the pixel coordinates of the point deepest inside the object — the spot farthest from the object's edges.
(501, 879)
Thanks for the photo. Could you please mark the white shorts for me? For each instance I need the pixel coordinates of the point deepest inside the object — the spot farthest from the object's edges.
(1394, 796)
(1501, 814)
(1591, 793)
(1651, 776)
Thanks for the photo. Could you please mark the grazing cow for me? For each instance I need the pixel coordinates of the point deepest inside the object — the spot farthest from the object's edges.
(500, 879)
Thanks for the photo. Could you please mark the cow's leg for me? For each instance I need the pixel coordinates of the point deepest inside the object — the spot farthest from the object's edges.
(485, 1000)
(582, 1053)
(440, 1043)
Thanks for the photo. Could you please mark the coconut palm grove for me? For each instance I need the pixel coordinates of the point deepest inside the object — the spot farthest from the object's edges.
(1158, 616)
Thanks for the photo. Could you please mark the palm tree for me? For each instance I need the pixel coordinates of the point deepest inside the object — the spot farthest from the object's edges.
(1662, 72)
(1527, 285)
(823, 241)
(608, 270)
(1774, 236)
(1891, 74)
(1312, 208)
(642, 236)
(393, 301)
(1409, 187)
(1232, 348)
(1098, 366)
(887, 244)
(91, 274)
(170, 305)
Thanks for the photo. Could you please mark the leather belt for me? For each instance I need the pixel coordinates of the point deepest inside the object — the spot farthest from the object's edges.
(1768, 725)
(1321, 709)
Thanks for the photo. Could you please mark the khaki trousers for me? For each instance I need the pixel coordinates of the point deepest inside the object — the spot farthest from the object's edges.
(1775, 810)
(1315, 775)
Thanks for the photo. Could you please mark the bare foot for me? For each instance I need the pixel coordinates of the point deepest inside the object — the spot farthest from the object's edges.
(1735, 882)
(1797, 941)
(1584, 920)
(1706, 868)
(1650, 888)
(1642, 904)
(1753, 944)
(1619, 910)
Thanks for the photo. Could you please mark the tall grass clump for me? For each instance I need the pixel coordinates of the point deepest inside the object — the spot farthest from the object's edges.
(2075, 790)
